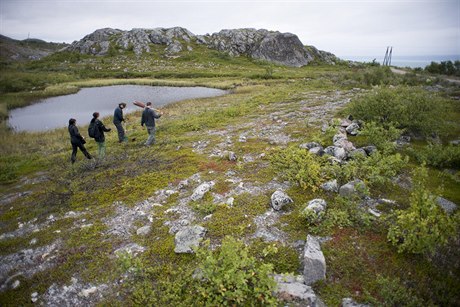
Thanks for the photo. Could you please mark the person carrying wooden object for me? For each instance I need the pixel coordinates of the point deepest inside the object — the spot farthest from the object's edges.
(148, 118)
(118, 119)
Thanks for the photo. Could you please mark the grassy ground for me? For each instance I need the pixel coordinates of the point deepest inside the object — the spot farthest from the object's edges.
(360, 262)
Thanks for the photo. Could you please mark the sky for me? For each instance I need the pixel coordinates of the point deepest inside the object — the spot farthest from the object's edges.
(345, 28)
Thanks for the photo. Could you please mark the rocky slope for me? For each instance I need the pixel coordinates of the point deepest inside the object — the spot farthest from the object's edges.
(28, 49)
(280, 48)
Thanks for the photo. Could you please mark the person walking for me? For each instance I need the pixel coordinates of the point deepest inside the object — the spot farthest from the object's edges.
(77, 141)
(99, 136)
(148, 118)
(117, 121)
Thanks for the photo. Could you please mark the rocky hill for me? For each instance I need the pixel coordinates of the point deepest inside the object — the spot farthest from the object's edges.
(273, 46)
(28, 49)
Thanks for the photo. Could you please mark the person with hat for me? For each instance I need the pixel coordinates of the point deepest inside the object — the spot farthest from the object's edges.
(117, 120)
(77, 141)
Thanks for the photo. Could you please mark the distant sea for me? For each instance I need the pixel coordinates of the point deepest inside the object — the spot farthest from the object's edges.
(405, 61)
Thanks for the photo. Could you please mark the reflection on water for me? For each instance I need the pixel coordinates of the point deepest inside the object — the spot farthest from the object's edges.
(55, 112)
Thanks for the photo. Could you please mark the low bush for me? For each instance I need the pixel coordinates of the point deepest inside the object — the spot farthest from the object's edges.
(380, 136)
(379, 168)
(413, 109)
(299, 166)
(438, 155)
(424, 226)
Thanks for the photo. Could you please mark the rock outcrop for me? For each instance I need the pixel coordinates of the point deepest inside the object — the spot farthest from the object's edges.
(272, 46)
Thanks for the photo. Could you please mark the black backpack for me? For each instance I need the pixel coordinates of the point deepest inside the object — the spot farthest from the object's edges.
(92, 129)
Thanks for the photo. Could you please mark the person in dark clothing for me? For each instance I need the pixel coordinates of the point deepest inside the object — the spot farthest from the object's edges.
(77, 141)
(99, 136)
(148, 118)
(117, 120)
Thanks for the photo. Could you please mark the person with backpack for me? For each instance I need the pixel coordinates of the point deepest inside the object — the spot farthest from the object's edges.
(77, 141)
(96, 130)
(117, 121)
(148, 118)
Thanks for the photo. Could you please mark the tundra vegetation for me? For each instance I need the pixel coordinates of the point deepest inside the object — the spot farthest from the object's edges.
(408, 255)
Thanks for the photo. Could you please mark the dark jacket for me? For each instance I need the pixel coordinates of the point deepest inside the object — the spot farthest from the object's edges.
(118, 116)
(100, 129)
(75, 136)
(148, 117)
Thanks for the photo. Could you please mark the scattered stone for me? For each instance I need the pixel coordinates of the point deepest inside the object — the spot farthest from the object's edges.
(455, 142)
(310, 145)
(349, 302)
(317, 205)
(314, 261)
(352, 129)
(187, 238)
(448, 206)
(202, 189)
(345, 144)
(131, 249)
(88, 292)
(15, 284)
(232, 156)
(370, 149)
(374, 212)
(230, 201)
(319, 151)
(292, 288)
(330, 186)
(34, 297)
(143, 231)
(353, 188)
(279, 199)
(336, 152)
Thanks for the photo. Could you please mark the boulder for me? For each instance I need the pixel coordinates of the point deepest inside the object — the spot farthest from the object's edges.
(187, 238)
(319, 151)
(202, 189)
(448, 206)
(293, 289)
(337, 152)
(352, 129)
(314, 261)
(280, 199)
(317, 205)
(330, 186)
(353, 188)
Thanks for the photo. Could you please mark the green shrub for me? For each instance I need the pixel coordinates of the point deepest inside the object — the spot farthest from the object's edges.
(394, 293)
(299, 166)
(381, 137)
(341, 212)
(415, 110)
(438, 155)
(378, 168)
(424, 225)
(231, 277)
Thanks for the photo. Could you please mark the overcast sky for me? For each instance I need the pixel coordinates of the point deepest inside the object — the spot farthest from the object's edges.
(360, 27)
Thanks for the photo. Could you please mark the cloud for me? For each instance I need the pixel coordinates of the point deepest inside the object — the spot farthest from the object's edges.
(342, 27)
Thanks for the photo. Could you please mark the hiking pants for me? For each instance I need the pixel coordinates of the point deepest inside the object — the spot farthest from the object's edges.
(121, 132)
(75, 147)
(151, 139)
(101, 149)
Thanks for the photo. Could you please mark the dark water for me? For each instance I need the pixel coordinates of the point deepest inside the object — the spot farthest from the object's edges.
(55, 112)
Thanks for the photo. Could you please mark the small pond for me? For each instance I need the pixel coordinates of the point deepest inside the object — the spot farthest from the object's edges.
(55, 112)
